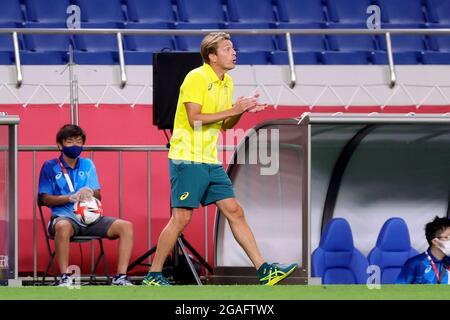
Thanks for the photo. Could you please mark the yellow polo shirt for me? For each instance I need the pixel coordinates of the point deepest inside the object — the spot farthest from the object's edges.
(203, 87)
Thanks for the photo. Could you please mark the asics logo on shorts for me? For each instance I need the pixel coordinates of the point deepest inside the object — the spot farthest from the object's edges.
(184, 196)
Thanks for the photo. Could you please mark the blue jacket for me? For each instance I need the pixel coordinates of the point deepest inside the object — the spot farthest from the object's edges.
(52, 181)
(419, 270)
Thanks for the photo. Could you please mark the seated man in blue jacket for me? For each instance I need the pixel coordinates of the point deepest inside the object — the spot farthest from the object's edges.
(69, 179)
(432, 266)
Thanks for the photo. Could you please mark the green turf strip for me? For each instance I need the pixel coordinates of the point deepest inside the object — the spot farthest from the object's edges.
(213, 292)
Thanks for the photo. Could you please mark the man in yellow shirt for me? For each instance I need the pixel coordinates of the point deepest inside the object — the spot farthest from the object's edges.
(197, 177)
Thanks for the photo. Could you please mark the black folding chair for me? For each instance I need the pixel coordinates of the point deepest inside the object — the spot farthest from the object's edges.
(75, 239)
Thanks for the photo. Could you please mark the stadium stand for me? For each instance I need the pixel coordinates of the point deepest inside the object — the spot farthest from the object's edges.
(407, 49)
(6, 45)
(144, 11)
(245, 11)
(46, 11)
(99, 12)
(139, 49)
(300, 12)
(252, 49)
(193, 11)
(307, 49)
(11, 13)
(392, 249)
(348, 11)
(397, 12)
(344, 49)
(336, 260)
(438, 11)
(96, 49)
(237, 14)
(45, 49)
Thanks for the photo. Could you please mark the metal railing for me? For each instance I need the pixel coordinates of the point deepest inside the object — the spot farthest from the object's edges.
(286, 32)
(119, 149)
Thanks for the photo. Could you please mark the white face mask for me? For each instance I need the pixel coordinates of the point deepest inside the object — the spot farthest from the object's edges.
(444, 246)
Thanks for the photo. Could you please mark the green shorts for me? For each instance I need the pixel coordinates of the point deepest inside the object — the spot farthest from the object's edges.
(194, 183)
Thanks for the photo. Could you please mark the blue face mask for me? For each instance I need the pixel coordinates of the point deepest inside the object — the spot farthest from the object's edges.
(72, 152)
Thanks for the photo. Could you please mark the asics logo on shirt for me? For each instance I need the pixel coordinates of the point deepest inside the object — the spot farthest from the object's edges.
(184, 196)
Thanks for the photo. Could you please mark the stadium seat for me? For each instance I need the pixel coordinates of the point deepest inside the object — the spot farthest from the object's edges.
(145, 11)
(96, 49)
(302, 58)
(252, 49)
(6, 45)
(42, 49)
(101, 11)
(440, 53)
(48, 11)
(139, 49)
(11, 12)
(436, 57)
(401, 12)
(193, 11)
(75, 239)
(439, 43)
(438, 11)
(407, 48)
(302, 43)
(349, 49)
(305, 11)
(392, 250)
(307, 48)
(248, 11)
(336, 260)
(348, 11)
(192, 43)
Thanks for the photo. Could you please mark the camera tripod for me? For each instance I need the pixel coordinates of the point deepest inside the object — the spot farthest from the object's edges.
(181, 244)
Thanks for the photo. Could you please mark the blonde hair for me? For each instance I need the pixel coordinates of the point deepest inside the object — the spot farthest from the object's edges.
(210, 43)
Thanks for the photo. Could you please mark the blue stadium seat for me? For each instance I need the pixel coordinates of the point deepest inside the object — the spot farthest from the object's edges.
(302, 43)
(439, 46)
(249, 11)
(192, 43)
(6, 45)
(96, 49)
(307, 48)
(45, 48)
(407, 48)
(399, 11)
(392, 250)
(301, 58)
(11, 12)
(336, 260)
(145, 11)
(438, 11)
(139, 49)
(193, 11)
(429, 57)
(440, 43)
(252, 49)
(348, 11)
(101, 11)
(349, 49)
(305, 11)
(48, 11)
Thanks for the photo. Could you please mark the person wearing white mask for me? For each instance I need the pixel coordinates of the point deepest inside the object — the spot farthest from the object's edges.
(433, 265)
